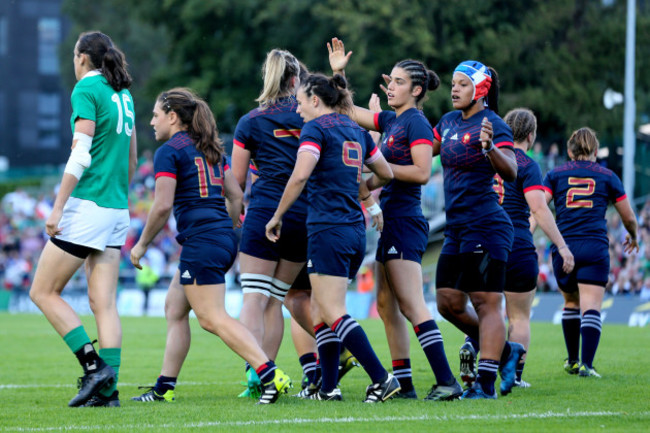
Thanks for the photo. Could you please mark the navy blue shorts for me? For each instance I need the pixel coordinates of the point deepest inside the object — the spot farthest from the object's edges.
(591, 264)
(521, 271)
(337, 251)
(291, 246)
(302, 280)
(403, 238)
(206, 257)
(470, 272)
(495, 239)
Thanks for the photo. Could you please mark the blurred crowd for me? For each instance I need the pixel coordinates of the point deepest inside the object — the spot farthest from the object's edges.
(22, 237)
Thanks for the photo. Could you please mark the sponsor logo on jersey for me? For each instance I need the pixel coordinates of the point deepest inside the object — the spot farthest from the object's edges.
(454, 137)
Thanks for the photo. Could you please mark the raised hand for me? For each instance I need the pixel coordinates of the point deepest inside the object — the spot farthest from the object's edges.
(338, 58)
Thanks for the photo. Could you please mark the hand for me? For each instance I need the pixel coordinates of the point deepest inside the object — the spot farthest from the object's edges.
(378, 221)
(387, 81)
(273, 228)
(338, 58)
(374, 103)
(567, 257)
(137, 252)
(486, 133)
(630, 245)
(52, 224)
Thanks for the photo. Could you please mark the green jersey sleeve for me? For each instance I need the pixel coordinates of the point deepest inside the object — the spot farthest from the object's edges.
(83, 104)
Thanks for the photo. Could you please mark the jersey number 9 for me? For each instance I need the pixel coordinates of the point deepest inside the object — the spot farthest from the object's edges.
(352, 156)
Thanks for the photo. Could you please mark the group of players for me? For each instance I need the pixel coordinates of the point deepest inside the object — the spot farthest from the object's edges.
(309, 147)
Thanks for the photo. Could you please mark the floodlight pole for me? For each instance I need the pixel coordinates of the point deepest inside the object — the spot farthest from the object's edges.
(629, 142)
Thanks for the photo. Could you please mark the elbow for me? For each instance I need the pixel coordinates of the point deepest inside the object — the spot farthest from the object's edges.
(509, 175)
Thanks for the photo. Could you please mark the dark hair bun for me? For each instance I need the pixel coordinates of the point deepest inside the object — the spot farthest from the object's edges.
(339, 81)
(434, 80)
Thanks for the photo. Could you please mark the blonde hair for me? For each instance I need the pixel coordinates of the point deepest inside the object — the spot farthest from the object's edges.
(583, 143)
(278, 69)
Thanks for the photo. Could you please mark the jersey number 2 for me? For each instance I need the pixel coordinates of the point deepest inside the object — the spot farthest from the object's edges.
(216, 179)
(587, 188)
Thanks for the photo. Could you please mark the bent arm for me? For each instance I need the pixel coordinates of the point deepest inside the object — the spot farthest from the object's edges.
(420, 171)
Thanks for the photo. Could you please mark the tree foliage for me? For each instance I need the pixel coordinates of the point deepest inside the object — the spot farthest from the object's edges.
(555, 56)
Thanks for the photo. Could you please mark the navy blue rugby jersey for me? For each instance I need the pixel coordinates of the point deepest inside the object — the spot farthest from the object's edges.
(411, 128)
(581, 191)
(271, 136)
(512, 196)
(342, 147)
(467, 173)
(199, 203)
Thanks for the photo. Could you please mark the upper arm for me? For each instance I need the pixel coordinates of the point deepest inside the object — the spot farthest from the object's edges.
(364, 117)
(305, 164)
(164, 192)
(85, 126)
(536, 199)
(624, 209)
(232, 190)
(240, 161)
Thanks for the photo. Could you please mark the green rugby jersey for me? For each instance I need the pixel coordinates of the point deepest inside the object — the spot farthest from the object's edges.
(106, 181)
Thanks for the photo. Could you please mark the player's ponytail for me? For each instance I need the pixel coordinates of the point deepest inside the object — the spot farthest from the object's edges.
(196, 115)
(522, 121)
(583, 143)
(106, 56)
(333, 92)
(492, 98)
(278, 70)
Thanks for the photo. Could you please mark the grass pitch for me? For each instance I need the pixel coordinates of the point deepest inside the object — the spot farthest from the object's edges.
(38, 375)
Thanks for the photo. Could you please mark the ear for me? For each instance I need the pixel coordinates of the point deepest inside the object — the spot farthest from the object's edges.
(173, 118)
(417, 90)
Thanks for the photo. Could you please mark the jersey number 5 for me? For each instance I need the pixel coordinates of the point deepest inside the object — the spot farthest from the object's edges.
(121, 112)
(586, 188)
(352, 156)
(216, 179)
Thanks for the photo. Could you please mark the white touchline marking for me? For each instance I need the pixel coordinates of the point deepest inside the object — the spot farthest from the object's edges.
(71, 385)
(344, 420)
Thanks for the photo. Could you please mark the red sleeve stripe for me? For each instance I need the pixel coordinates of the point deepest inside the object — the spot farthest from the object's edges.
(436, 134)
(421, 141)
(374, 156)
(621, 198)
(376, 120)
(504, 143)
(166, 174)
(535, 188)
(226, 167)
(310, 143)
(238, 144)
(547, 189)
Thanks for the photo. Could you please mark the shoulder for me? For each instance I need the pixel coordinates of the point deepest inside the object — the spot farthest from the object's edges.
(179, 141)
(524, 160)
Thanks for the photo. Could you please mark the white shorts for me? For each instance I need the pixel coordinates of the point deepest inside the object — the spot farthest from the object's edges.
(85, 223)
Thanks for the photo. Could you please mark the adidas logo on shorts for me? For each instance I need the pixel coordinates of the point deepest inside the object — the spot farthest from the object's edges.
(186, 274)
(309, 265)
(393, 250)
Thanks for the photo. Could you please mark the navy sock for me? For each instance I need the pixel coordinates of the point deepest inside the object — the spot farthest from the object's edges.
(308, 362)
(473, 342)
(430, 339)
(402, 371)
(520, 370)
(590, 330)
(328, 351)
(356, 340)
(571, 330)
(266, 372)
(164, 384)
(507, 350)
(487, 374)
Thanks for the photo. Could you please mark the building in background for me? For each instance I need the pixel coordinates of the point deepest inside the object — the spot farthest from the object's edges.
(34, 105)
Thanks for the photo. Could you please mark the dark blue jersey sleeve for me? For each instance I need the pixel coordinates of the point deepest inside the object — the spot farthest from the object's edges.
(164, 162)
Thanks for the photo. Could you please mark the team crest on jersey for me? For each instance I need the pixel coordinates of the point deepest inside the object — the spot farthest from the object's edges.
(390, 141)
(466, 138)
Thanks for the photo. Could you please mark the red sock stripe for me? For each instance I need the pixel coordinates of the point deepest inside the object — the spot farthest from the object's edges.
(335, 324)
(319, 326)
(259, 369)
(399, 363)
